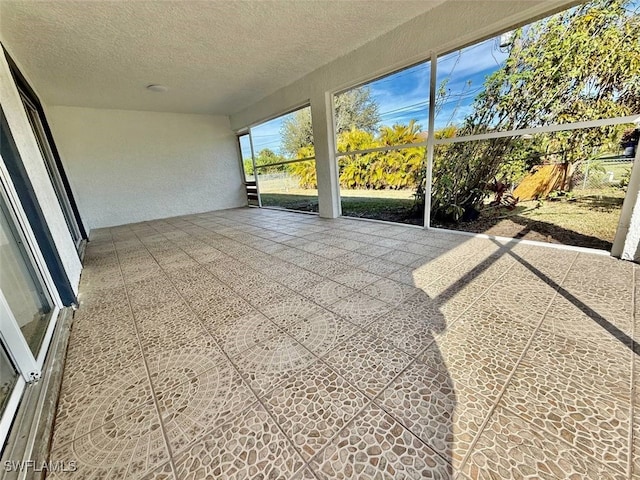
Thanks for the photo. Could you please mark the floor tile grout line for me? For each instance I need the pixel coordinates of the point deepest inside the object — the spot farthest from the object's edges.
(465, 257)
(367, 403)
(273, 279)
(358, 290)
(325, 229)
(317, 358)
(330, 259)
(482, 295)
(463, 260)
(242, 295)
(283, 243)
(363, 328)
(305, 251)
(189, 219)
(243, 379)
(197, 317)
(415, 361)
(439, 305)
(559, 439)
(92, 430)
(525, 350)
(258, 308)
(372, 399)
(632, 405)
(146, 366)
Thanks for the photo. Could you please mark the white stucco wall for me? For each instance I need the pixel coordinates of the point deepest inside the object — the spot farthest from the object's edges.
(129, 166)
(36, 170)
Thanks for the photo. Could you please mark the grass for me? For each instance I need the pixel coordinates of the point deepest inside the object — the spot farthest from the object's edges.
(619, 169)
(378, 208)
(606, 174)
(590, 219)
(389, 209)
(303, 203)
(391, 205)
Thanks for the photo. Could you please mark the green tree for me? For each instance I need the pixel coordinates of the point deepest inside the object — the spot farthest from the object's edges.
(266, 157)
(401, 168)
(296, 132)
(400, 134)
(354, 168)
(353, 109)
(356, 109)
(394, 169)
(305, 171)
(248, 166)
(577, 65)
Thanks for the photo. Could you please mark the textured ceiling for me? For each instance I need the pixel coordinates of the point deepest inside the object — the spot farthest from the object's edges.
(216, 56)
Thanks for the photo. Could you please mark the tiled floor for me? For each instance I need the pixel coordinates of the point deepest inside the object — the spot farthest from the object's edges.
(262, 344)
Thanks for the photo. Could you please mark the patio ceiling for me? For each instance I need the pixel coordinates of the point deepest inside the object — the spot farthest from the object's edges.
(217, 57)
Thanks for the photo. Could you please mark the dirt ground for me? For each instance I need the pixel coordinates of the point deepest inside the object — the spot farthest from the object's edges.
(589, 219)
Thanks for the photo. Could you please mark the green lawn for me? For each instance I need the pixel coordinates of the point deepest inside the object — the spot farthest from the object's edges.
(378, 208)
(389, 209)
(303, 203)
(589, 219)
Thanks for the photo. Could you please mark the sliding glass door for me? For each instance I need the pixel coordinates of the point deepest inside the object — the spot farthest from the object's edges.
(22, 287)
(11, 388)
(28, 307)
(33, 114)
(44, 138)
(30, 298)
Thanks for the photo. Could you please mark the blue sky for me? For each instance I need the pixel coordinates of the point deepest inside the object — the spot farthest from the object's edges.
(404, 95)
(466, 71)
(267, 135)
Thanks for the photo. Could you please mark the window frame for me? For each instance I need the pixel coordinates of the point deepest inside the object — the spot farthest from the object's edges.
(431, 142)
(35, 257)
(248, 131)
(27, 93)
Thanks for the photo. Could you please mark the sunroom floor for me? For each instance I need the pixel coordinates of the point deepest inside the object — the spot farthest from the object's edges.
(254, 343)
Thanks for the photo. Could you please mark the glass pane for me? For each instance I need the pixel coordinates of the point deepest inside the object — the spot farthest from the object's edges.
(573, 66)
(8, 378)
(284, 138)
(393, 110)
(563, 187)
(19, 283)
(52, 169)
(247, 162)
(291, 186)
(461, 78)
(384, 185)
(247, 167)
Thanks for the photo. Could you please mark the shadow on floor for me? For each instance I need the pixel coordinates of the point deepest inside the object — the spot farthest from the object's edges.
(507, 249)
